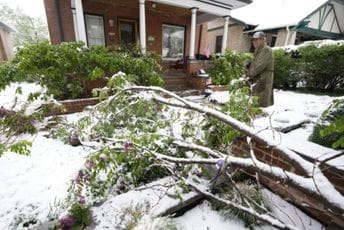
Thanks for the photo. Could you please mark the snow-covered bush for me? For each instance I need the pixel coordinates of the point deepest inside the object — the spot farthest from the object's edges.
(329, 130)
(65, 69)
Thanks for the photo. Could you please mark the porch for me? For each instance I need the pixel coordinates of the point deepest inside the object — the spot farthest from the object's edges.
(175, 29)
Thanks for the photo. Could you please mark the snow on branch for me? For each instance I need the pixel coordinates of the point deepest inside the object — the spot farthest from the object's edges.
(309, 184)
(240, 126)
(263, 217)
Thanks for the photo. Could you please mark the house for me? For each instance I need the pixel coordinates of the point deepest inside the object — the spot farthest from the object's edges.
(175, 29)
(284, 22)
(6, 48)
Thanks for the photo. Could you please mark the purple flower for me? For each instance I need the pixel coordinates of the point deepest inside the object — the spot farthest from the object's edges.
(127, 146)
(80, 177)
(103, 157)
(34, 123)
(82, 200)
(89, 163)
(220, 163)
(67, 222)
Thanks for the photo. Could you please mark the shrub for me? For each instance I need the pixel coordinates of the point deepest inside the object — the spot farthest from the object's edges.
(329, 129)
(228, 67)
(65, 68)
(323, 67)
(318, 68)
(286, 72)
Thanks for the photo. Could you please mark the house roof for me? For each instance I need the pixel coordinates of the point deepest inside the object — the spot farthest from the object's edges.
(272, 14)
(6, 27)
(326, 21)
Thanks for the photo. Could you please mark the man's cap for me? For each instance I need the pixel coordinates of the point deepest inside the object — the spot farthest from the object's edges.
(259, 34)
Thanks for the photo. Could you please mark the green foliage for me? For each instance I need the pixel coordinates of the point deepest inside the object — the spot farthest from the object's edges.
(329, 129)
(12, 125)
(323, 67)
(65, 69)
(317, 68)
(228, 67)
(241, 106)
(336, 127)
(21, 147)
(80, 213)
(286, 72)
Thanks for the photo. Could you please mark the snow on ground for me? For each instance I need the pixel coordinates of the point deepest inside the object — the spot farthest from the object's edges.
(203, 217)
(289, 213)
(29, 185)
(289, 108)
(15, 96)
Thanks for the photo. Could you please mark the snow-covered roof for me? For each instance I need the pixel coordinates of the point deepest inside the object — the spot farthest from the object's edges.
(269, 14)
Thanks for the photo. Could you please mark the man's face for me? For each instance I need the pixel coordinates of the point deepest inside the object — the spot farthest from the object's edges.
(258, 42)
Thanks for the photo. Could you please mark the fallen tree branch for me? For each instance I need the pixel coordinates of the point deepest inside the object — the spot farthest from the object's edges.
(262, 217)
(295, 159)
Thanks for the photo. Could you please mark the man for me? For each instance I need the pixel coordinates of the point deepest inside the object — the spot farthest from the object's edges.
(260, 71)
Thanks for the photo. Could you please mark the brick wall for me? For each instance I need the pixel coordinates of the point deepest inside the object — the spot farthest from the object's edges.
(73, 106)
(237, 40)
(121, 9)
(193, 66)
(310, 204)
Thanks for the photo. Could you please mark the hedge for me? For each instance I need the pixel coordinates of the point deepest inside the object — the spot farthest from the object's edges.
(63, 69)
(315, 68)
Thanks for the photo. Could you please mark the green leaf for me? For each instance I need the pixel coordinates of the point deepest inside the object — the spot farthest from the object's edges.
(21, 147)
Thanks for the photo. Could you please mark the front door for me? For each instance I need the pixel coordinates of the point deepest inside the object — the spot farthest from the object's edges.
(127, 32)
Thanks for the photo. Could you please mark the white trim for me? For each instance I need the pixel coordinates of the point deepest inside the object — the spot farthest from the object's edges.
(193, 33)
(225, 35)
(203, 7)
(75, 24)
(142, 26)
(80, 22)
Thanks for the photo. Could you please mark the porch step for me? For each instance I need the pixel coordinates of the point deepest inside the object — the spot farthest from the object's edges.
(176, 83)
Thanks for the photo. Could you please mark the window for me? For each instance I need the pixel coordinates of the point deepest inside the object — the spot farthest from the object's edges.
(273, 40)
(218, 44)
(95, 30)
(173, 42)
(127, 32)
